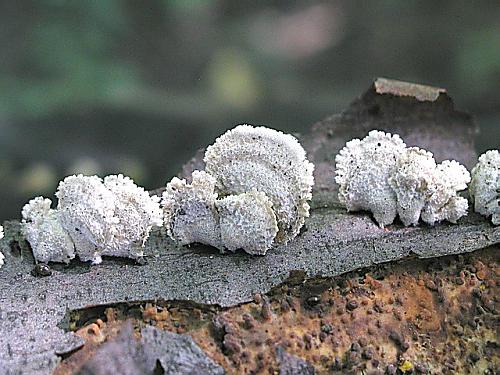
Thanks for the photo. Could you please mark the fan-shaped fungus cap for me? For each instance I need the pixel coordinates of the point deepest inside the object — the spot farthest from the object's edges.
(247, 221)
(113, 217)
(137, 213)
(363, 168)
(250, 158)
(2, 257)
(444, 203)
(485, 185)
(381, 175)
(189, 210)
(43, 230)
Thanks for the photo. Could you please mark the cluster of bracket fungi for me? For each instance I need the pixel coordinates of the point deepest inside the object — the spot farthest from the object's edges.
(254, 194)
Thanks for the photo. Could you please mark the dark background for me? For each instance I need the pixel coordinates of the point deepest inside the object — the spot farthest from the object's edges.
(110, 86)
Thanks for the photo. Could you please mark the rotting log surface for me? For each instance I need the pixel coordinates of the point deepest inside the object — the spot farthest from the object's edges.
(34, 311)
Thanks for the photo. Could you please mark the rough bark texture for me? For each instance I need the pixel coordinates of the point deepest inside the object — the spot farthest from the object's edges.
(174, 354)
(423, 316)
(34, 311)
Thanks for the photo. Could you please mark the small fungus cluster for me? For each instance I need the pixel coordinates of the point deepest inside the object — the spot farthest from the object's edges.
(253, 193)
(94, 217)
(2, 257)
(485, 185)
(380, 174)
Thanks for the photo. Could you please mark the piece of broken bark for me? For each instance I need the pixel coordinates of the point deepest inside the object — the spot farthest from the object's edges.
(158, 350)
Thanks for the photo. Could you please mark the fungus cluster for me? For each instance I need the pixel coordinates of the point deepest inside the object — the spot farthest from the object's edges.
(2, 257)
(485, 185)
(253, 193)
(94, 217)
(43, 230)
(380, 174)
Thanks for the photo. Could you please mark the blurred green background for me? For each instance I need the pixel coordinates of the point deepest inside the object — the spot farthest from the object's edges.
(109, 86)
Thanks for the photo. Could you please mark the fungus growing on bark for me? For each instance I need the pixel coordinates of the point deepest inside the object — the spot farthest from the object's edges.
(250, 158)
(113, 217)
(247, 221)
(86, 209)
(189, 210)
(412, 181)
(2, 257)
(93, 218)
(253, 194)
(136, 213)
(428, 190)
(379, 174)
(485, 185)
(444, 203)
(41, 226)
(363, 169)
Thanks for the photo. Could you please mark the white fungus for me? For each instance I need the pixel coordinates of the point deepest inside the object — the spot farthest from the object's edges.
(113, 217)
(137, 213)
(485, 185)
(363, 169)
(43, 230)
(189, 210)
(379, 174)
(412, 181)
(247, 221)
(86, 209)
(444, 202)
(2, 257)
(253, 194)
(250, 158)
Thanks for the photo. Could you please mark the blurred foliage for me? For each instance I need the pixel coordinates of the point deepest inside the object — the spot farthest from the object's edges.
(137, 86)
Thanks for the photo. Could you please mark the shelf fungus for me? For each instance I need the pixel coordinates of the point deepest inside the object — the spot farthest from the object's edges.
(136, 213)
(2, 257)
(253, 193)
(93, 218)
(112, 217)
(363, 169)
(189, 210)
(250, 158)
(380, 174)
(42, 228)
(247, 221)
(485, 185)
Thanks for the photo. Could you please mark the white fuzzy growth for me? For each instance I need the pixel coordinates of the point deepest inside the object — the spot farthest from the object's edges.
(379, 174)
(363, 168)
(2, 257)
(247, 221)
(428, 190)
(87, 213)
(113, 217)
(250, 158)
(443, 202)
(413, 182)
(137, 213)
(43, 230)
(189, 210)
(485, 185)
